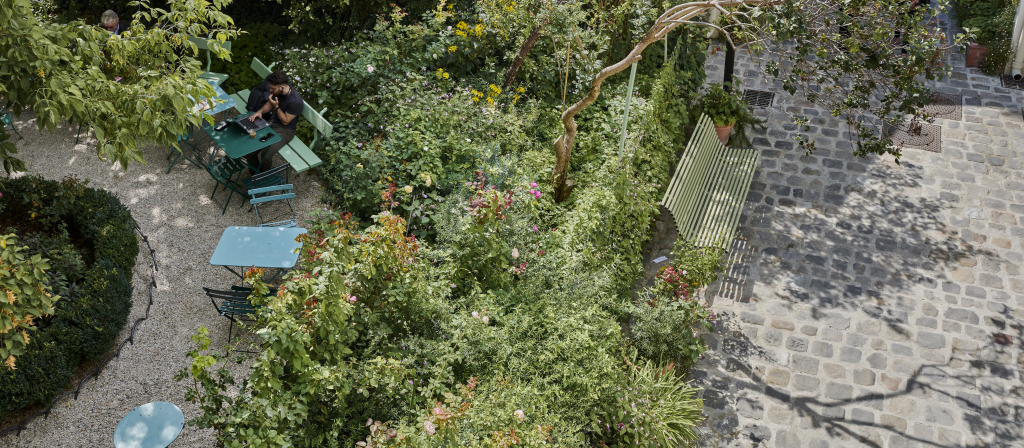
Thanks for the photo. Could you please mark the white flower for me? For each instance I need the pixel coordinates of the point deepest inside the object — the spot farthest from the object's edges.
(486, 320)
(519, 414)
(476, 315)
(408, 189)
(429, 427)
(515, 253)
(369, 68)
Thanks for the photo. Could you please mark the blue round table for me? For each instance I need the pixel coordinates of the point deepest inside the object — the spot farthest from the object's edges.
(152, 425)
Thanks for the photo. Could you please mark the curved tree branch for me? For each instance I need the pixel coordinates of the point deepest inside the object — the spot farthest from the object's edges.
(668, 21)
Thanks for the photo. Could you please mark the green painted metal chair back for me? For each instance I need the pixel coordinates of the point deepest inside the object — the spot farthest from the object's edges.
(270, 209)
(710, 185)
(203, 44)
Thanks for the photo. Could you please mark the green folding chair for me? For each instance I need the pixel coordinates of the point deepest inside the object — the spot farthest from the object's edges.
(202, 45)
(271, 209)
(8, 120)
(185, 142)
(234, 305)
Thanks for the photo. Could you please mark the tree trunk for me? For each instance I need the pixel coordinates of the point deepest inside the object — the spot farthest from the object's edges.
(510, 77)
(668, 21)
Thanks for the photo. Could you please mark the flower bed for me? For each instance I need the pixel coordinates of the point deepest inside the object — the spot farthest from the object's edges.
(88, 237)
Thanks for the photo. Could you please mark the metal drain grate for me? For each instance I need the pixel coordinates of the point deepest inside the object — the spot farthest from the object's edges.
(921, 136)
(946, 106)
(758, 98)
(1008, 82)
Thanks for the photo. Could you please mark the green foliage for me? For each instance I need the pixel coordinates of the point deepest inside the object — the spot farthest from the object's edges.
(92, 248)
(724, 108)
(657, 408)
(991, 22)
(666, 330)
(129, 88)
(23, 297)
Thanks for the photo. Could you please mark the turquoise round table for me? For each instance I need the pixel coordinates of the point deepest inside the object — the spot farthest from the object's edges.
(152, 425)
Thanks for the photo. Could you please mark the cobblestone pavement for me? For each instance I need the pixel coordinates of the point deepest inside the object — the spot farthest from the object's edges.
(875, 304)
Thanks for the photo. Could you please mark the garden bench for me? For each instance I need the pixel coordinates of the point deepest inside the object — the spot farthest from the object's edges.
(296, 152)
(706, 194)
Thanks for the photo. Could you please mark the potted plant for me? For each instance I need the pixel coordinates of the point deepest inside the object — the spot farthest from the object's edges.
(724, 108)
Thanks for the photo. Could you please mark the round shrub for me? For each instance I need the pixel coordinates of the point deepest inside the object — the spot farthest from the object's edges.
(94, 305)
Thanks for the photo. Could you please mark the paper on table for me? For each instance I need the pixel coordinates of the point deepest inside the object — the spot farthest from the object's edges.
(206, 104)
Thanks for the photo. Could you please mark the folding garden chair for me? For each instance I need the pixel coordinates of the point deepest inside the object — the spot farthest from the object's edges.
(233, 305)
(269, 178)
(225, 172)
(185, 141)
(270, 209)
(8, 120)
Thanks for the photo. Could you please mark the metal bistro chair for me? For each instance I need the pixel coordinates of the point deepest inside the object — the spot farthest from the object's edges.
(269, 178)
(185, 141)
(233, 305)
(8, 121)
(225, 172)
(270, 209)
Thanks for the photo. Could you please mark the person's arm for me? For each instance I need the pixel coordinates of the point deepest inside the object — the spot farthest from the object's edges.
(267, 106)
(284, 117)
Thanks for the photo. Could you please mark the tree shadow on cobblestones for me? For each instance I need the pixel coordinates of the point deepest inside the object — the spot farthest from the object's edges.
(985, 413)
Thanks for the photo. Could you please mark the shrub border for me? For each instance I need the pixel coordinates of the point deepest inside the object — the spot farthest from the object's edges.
(95, 373)
(104, 220)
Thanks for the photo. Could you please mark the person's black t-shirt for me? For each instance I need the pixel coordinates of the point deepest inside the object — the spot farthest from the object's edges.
(291, 104)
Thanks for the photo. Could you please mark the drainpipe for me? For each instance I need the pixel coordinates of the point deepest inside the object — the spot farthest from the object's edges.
(1018, 24)
(1018, 63)
(713, 18)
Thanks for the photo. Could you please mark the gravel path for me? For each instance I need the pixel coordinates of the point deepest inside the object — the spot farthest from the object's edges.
(183, 225)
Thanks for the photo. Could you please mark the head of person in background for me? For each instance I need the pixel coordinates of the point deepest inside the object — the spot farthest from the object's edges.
(110, 22)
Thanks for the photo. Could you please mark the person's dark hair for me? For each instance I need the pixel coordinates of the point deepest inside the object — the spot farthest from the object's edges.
(277, 78)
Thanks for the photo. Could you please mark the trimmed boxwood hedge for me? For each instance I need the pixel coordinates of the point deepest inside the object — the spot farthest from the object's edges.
(87, 320)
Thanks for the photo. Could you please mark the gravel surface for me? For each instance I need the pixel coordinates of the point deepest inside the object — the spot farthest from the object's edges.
(183, 225)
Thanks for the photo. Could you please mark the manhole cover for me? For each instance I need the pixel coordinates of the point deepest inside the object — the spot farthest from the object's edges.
(758, 98)
(945, 106)
(915, 135)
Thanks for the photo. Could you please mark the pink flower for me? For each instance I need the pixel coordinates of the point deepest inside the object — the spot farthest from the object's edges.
(369, 68)
(352, 299)
(533, 185)
(520, 414)
(515, 253)
(429, 427)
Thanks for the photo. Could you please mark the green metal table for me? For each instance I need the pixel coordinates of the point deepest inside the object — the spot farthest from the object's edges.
(152, 425)
(236, 143)
(262, 247)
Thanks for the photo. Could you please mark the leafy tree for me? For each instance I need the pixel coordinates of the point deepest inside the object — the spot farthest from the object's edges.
(834, 53)
(130, 87)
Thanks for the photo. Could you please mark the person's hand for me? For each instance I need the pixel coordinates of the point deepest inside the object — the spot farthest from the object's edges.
(253, 117)
(273, 101)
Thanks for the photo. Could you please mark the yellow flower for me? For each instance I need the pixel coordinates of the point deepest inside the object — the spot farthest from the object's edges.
(445, 76)
(475, 99)
(452, 48)
(460, 33)
(359, 165)
(41, 73)
(408, 189)
(515, 98)
(496, 89)
(461, 25)
(521, 89)
(490, 100)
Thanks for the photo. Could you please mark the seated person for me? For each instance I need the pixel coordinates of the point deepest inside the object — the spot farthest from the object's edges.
(110, 22)
(279, 104)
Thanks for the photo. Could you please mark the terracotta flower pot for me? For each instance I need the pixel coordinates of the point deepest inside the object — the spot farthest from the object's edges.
(723, 132)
